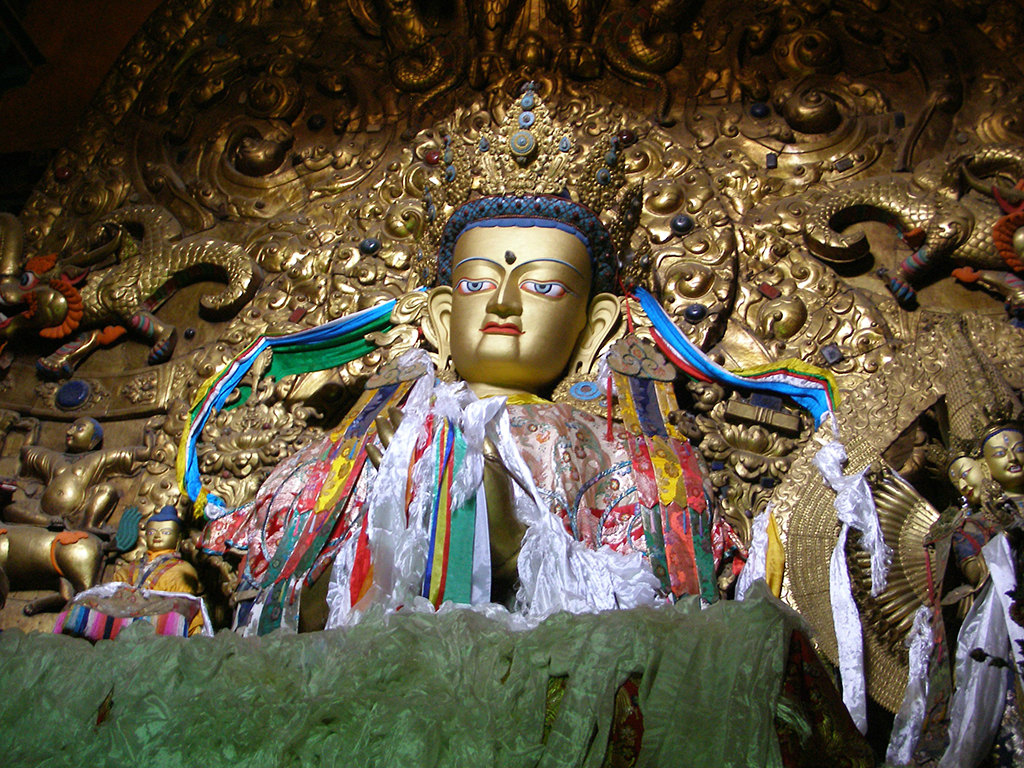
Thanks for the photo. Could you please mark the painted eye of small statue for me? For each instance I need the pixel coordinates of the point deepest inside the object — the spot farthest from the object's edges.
(552, 290)
(465, 286)
(29, 279)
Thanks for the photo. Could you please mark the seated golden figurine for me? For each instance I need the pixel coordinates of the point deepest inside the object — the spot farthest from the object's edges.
(75, 494)
(484, 485)
(162, 567)
(160, 588)
(990, 494)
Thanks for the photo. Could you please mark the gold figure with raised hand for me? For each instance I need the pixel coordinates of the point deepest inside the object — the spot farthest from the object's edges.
(76, 495)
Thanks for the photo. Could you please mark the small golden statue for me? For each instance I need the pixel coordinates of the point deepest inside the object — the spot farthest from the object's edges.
(991, 485)
(162, 567)
(160, 587)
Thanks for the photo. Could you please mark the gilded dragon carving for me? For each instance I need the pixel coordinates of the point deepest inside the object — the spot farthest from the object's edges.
(117, 285)
(935, 213)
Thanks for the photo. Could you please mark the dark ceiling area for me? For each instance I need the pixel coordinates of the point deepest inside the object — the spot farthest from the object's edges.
(54, 55)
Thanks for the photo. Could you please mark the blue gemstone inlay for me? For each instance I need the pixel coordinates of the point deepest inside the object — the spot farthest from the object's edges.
(681, 224)
(695, 313)
(73, 394)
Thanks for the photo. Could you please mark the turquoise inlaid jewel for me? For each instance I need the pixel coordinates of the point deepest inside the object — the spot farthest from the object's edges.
(522, 143)
(585, 390)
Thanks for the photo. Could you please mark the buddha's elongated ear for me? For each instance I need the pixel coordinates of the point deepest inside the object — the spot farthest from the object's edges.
(602, 318)
(437, 324)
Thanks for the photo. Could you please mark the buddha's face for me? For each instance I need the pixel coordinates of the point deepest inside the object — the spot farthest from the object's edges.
(1004, 455)
(519, 304)
(81, 436)
(967, 475)
(162, 535)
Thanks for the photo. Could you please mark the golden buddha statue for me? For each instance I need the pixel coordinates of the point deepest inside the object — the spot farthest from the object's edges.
(989, 483)
(483, 486)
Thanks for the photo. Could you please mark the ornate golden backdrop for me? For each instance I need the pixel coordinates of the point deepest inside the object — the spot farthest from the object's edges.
(284, 148)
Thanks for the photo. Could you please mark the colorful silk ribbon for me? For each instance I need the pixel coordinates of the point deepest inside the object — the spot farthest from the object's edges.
(810, 387)
(313, 349)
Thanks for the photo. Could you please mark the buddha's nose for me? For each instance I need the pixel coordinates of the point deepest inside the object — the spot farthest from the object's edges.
(506, 300)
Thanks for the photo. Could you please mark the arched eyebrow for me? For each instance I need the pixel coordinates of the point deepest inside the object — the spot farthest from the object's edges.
(523, 264)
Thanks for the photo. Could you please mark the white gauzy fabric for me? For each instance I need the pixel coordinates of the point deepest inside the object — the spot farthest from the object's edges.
(907, 726)
(849, 634)
(480, 589)
(976, 709)
(980, 695)
(757, 554)
(398, 547)
(855, 507)
(339, 600)
(999, 559)
(605, 380)
(558, 573)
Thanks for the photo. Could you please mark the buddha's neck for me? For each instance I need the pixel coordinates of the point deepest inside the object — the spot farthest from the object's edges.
(494, 390)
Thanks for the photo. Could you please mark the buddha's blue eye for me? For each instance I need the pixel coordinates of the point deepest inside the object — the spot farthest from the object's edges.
(465, 286)
(553, 290)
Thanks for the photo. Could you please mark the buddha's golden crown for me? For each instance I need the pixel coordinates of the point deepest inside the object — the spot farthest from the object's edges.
(531, 166)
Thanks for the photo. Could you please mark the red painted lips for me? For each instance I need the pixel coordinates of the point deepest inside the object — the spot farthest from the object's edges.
(507, 329)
